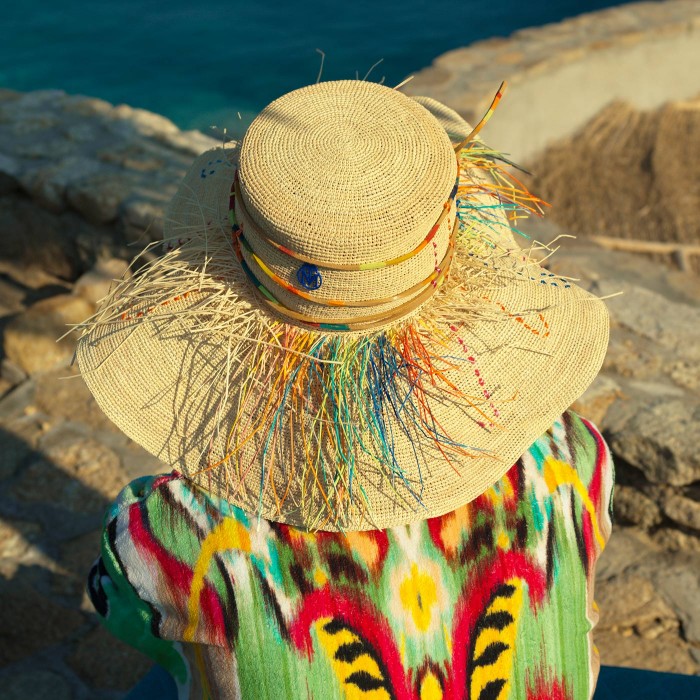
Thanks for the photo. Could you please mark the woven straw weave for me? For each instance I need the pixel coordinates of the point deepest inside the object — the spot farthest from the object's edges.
(177, 385)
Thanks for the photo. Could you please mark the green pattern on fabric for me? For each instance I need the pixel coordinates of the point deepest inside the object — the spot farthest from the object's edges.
(489, 602)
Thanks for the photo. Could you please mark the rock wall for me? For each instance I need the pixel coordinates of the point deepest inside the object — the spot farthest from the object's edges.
(560, 75)
(81, 179)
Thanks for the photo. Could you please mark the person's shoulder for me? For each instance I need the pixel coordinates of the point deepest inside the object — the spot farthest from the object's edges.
(575, 440)
(167, 512)
(573, 457)
(137, 491)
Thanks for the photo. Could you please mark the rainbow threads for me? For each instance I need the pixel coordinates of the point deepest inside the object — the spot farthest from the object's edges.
(350, 389)
(432, 279)
(484, 119)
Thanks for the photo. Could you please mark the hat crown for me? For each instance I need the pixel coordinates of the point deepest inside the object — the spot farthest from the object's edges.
(346, 171)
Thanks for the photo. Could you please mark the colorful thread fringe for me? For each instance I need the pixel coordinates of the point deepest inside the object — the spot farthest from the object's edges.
(348, 385)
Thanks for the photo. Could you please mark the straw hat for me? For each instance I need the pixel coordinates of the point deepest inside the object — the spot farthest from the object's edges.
(342, 333)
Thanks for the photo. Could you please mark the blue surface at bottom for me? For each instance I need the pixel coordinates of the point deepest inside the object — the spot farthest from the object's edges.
(157, 684)
(614, 683)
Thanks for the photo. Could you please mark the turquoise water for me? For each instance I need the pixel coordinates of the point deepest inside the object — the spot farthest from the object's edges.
(201, 63)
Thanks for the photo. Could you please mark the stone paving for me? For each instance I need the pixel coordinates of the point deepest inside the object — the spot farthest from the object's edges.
(62, 462)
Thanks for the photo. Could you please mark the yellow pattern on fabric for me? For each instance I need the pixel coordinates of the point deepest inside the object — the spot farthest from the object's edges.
(557, 473)
(430, 688)
(363, 545)
(228, 534)
(338, 643)
(202, 668)
(500, 668)
(418, 595)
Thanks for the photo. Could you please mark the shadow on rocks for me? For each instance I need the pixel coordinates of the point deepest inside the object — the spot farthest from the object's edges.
(55, 487)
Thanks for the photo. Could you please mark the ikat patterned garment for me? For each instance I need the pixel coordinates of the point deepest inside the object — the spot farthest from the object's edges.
(492, 601)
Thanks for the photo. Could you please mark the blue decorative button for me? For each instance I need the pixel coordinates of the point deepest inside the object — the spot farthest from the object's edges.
(309, 277)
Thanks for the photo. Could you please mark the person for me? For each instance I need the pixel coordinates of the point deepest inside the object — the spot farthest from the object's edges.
(362, 383)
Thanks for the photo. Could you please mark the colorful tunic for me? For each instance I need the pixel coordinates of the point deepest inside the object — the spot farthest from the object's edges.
(488, 602)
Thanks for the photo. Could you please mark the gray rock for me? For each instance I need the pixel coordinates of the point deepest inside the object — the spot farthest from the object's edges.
(17, 402)
(62, 394)
(667, 652)
(142, 215)
(31, 622)
(648, 315)
(31, 339)
(96, 283)
(659, 438)
(632, 506)
(65, 154)
(598, 398)
(671, 539)
(630, 601)
(16, 537)
(11, 372)
(76, 475)
(628, 547)
(682, 510)
(680, 584)
(105, 662)
(9, 166)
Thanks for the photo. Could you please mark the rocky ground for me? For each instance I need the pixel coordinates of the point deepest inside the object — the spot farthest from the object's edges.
(68, 212)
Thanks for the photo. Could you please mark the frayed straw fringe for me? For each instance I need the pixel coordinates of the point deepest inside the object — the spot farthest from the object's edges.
(332, 392)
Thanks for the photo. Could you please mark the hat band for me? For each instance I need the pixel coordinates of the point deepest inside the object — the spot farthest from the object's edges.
(347, 267)
(341, 324)
(429, 286)
(411, 291)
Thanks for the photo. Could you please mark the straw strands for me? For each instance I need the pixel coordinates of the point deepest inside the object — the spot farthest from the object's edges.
(331, 392)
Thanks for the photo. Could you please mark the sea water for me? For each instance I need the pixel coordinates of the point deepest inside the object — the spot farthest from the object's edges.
(204, 63)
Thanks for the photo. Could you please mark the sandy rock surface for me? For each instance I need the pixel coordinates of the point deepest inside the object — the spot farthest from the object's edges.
(62, 462)
(561, 75)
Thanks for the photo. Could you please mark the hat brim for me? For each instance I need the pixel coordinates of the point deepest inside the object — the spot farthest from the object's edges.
(185, 372)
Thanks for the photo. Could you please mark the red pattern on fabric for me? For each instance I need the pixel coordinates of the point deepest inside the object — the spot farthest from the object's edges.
(176, 572)
(364, 619)
(473, 600)
(547, 690)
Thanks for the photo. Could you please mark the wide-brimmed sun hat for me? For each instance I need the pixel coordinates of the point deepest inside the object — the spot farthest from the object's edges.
(342, 333)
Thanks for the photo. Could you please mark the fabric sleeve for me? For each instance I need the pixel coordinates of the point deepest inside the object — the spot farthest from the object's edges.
(597, 471)
(121, 610)
(600, 484)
